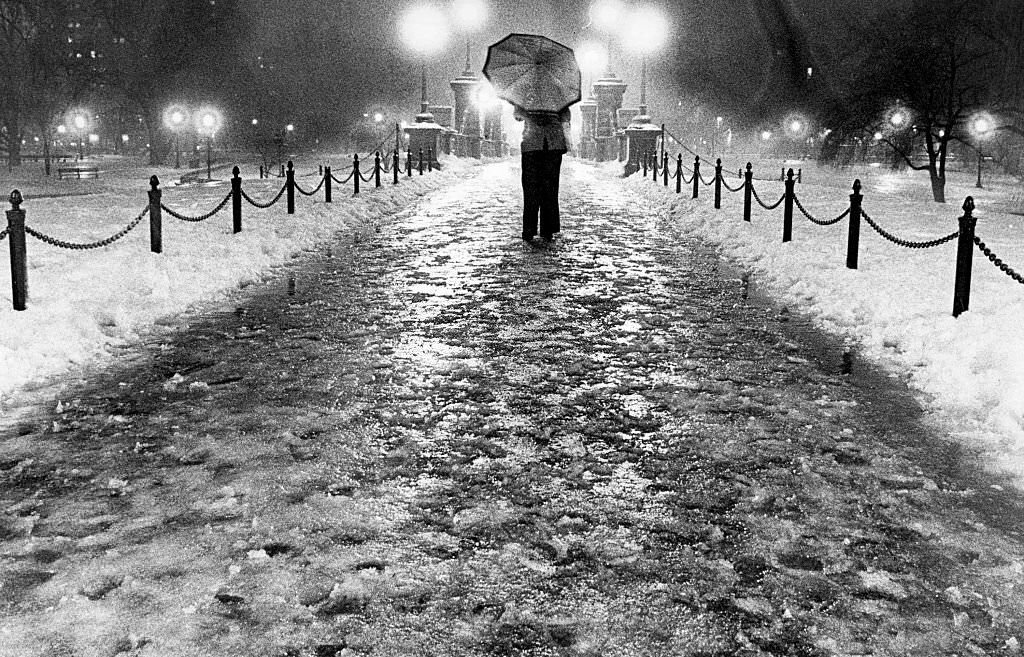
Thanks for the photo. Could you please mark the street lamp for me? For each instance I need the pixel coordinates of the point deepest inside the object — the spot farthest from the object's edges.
(645, 31)
(79, 120)
(208, 121)
(982, 126)
(469, 15)
(175, 118)
(425, 30)
(607, 15)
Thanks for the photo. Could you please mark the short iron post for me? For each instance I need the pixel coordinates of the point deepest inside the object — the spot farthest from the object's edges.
(355, 173)
(408, 162)
(421, 162)
(156, 238)
(376, 169)
(327, 183)
(19, 261)
(643, 160)
(679, 173)
(964, 257)
(236, 200)
(800, 176)
(664, 168)
(782, 175)
(654, 167)
(320, 169)
(290, 186)
(853, 237)
(718, 184)
(696, 176)
(787, 212)
(748, 190)
(261, 172)
(395, 168)
(282, 172)
(430, 158)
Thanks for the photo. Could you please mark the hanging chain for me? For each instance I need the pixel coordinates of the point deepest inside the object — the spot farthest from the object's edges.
(906, 243)
(264, 205)
(315, 190)
(820, 222)
(3, 234)
(200, 218)
(351, 173)
(726, 185)
(761, 203)
(91, 245)
(1003, 267)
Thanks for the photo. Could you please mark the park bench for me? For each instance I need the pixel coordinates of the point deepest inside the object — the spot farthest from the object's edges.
(78, 171)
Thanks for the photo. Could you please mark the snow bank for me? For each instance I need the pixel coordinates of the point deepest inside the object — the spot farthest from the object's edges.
(897, 306)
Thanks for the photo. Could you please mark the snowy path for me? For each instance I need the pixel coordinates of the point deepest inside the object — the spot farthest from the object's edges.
(430, 438)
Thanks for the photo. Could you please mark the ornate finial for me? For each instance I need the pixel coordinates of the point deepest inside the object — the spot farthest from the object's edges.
(750, 167)
(235, 171)
(355, 158)
(969, 204)
(696, 159)
(154, 182)
(289, 165)
(15, 200)
(718, 162)
(856, 186)
(789, 174)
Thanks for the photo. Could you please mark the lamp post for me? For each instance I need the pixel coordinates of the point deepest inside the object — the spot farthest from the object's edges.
(208, 122)
(175, 118)
(80, 122)
(425, 30)
(645, 31)
(982, 125)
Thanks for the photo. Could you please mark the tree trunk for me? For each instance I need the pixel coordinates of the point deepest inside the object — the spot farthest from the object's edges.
(46, 152)
(938, 184)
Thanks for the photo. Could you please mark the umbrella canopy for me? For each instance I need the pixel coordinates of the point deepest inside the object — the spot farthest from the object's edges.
(533, 72)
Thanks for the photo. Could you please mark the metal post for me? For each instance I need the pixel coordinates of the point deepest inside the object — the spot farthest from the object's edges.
(643, 162)
(209, 150)
(748, 190)
(654, 167)
(376, 169)
(327, 183)
(980, 158)
(156, 243)
(696, 176)
(853, 239)
(430, 158)
(421, 162)
(679, 173)
(261, 172)
(718, 183)
(664, 168)
(16, 237)
(395, 167)
(236, 200)
(964, 256)
(355, 173)
(408, 162)
(800, 176)
(787, 215)
(290, 186)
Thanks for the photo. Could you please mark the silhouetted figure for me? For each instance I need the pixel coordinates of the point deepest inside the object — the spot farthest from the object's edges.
(545, 140)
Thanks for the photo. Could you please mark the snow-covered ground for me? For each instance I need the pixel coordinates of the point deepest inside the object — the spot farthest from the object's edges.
(82, 303)
(896, 308)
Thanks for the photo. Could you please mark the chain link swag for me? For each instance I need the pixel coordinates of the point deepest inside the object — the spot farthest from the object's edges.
(761, 203)
(52, 241)
(820, 222)
(1003, 267)
(264, 205)
(204, 217)
(315, 190)
(907, 243)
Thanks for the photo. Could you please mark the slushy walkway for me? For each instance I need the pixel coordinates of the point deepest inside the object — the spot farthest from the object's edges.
(429, 438)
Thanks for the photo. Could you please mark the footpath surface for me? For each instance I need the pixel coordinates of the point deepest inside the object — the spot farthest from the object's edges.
(429, 438)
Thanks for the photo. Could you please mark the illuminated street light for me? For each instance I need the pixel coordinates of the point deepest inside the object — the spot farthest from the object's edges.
(606, 15)
(377, 117)
(981, 126)
(175, 118)
(208, 121)
(469, 16)
(645, 31)
(78, 120)
(766, 135)
(425, 30)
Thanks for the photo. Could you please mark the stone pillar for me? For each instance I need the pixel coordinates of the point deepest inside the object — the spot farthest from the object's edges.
(641, 137)
(609, 91)
(443, 115)
(466, 119)
(588, 131)
(425, 135)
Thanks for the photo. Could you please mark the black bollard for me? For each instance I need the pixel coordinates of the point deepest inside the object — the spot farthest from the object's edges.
(787, 214)
(964, 257)
(19, 260)
(327, 183)
(290, 187)
(679, 173)
(156, 243)
(696, 176)
(718, 184)
(748, 189)
(853, 235)
(236, 200)
(355, 173)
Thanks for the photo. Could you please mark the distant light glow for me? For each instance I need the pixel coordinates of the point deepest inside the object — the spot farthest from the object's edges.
(175, 117)
(878, 136)
(766, 134)
(290, 127)
(592, 57)
(208, 120)
(378, 117)
(80, 122)
(424, 29)
(897, 119)
(982, 125)
(469, 14)
(645, 30)
(485, 95)
(606, 14)
(94, 138)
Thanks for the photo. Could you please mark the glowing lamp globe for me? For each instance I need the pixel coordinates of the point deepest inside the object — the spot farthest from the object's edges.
(424, 29)
(645, 30)
(469, 14)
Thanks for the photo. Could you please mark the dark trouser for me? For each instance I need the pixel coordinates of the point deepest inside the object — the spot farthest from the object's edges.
(541, 170)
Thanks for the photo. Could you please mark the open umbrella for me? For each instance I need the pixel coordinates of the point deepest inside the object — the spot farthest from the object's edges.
(533, 72)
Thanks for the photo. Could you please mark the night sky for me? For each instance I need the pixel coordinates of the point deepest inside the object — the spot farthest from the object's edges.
(338, 59)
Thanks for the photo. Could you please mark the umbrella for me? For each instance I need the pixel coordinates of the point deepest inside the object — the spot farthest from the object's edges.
(533, 72)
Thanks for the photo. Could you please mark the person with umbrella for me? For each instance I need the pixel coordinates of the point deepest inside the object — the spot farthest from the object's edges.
(541, 79)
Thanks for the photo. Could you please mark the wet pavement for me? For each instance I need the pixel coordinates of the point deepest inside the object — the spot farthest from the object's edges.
(430, 438)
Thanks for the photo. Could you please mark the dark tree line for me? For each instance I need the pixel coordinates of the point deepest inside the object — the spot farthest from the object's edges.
(130, 57)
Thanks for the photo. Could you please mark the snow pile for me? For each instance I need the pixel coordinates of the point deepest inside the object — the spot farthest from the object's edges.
(896, 308)
(83, 302)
